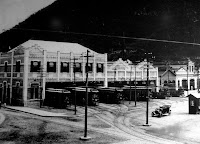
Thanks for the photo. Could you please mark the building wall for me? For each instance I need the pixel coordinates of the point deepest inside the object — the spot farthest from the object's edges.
(168, 77)
(31, 83)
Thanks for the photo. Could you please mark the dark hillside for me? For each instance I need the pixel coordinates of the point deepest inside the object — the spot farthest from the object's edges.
(174, 20)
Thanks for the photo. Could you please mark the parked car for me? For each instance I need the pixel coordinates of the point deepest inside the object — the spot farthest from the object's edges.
(158, 112)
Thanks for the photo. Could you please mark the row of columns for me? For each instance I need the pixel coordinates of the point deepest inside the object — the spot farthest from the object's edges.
(116, 75)
(25, 76)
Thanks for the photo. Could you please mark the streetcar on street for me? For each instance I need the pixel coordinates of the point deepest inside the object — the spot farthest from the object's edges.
(141, 92)
(57, 98)
(78, 95)
(110, 95)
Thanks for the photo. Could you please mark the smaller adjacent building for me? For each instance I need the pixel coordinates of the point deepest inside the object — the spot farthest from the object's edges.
(186, 77)
(177, 76)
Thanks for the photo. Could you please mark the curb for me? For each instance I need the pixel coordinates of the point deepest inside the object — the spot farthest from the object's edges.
(41, 115)
(28, 112)
(2, 118)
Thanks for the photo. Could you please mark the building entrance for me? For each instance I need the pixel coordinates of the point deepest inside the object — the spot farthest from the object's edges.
(35, 93)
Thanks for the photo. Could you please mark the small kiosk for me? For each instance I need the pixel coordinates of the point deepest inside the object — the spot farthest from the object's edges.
(194, 103)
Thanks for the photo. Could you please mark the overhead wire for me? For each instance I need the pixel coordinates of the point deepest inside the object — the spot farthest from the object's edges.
(113, 36)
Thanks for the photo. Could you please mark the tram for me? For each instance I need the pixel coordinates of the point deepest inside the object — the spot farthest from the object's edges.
(78, 95)
(110, 95)
(140, 91)
(58, 98)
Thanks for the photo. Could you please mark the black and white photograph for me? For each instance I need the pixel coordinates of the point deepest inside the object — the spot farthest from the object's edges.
(99, 72)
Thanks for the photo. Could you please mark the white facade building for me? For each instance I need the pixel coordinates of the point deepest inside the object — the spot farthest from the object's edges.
(26, 70)
(187, 77)
(34, 63)
(124, 71)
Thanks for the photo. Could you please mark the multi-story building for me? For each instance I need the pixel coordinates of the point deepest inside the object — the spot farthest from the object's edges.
(120, 71)
(25, 70)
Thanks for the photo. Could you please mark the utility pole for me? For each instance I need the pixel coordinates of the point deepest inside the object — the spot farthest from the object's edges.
(147, 92)
(41, 75)
(147, 98)
(135, 87)
(168, 73)
(74, 66)
(114, 76)
(130, 85)
(187, 78)
(86, 100)
(198, 77)
(197, 65)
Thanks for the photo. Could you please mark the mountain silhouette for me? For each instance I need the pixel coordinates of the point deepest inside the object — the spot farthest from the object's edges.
(96, 25)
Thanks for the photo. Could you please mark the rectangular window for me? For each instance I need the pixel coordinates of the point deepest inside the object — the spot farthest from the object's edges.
(144, 82)
(90, 66)
(51, 66)
(17, 66)
(138, 73)
(77, 67)
(192, 102)
(5, 66)
(35, 66)
(17, 84)
(34, 91)
(189, 68)
(64, 67)
(99, 68)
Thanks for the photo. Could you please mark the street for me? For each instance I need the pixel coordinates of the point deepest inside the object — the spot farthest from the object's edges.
(107, 123)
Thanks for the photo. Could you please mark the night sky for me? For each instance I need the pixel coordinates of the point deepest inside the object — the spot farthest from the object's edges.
(174, 20)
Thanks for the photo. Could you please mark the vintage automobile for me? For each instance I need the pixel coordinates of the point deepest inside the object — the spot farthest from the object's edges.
(158, 112)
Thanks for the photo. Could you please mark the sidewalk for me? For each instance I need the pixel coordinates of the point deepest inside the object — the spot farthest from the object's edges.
(2, 118)
(41, 112)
